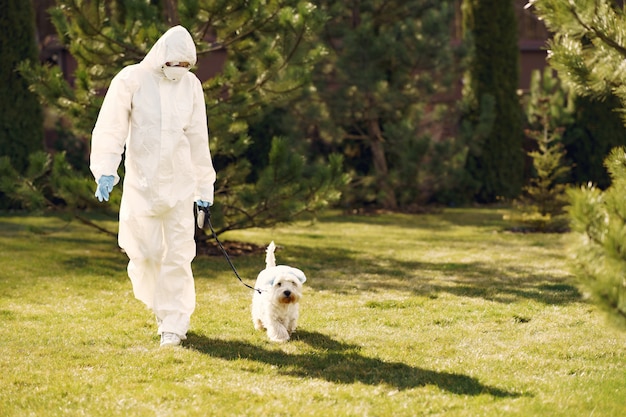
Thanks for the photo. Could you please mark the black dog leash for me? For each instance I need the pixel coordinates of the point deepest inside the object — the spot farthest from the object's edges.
(204, 217)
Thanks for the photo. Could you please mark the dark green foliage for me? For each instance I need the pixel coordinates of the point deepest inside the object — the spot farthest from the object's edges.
(541, 205)
(287, 187)
(474, 128)
(385, 62)
(50, 183)
(21, 119)
(596, 130)
(270, 50)
(497, 164)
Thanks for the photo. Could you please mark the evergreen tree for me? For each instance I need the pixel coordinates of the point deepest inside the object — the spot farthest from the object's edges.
(587, 48)
(599, 220)
(588, 52)
(21, 119)
(269, 55)
(549, 110)
(385, 62)
(497, 164)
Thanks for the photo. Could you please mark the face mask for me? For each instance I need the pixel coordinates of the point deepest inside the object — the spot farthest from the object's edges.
(174, 73)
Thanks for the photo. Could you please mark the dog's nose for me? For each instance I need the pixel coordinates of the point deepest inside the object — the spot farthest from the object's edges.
(287, 293)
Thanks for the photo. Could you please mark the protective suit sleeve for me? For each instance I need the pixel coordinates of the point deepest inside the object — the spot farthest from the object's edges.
(109, 134)
(198, 135)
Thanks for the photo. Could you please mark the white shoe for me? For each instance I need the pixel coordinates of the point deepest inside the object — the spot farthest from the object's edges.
(169, 339)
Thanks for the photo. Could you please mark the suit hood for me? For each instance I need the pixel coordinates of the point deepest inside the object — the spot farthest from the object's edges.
(176, 45)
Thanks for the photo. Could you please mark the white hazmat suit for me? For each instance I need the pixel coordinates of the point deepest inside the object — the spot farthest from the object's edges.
(157, 115)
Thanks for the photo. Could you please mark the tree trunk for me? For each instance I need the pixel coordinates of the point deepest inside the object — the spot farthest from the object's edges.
(388, 198)
(170, 9)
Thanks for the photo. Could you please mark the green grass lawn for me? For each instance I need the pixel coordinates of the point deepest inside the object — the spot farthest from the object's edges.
(402, 315)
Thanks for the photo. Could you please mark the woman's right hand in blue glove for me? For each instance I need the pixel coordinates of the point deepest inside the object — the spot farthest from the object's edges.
(105, 185)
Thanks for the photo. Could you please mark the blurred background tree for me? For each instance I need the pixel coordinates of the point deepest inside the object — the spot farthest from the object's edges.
(596, 129)
(378, 82)
(21, 116)
(549, 109)
(497, 162)
(383, 96)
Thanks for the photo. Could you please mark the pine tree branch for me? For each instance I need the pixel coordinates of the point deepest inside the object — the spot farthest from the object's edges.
(225, 44)
(208, 25)
(593, 29)
(269, 76)
(108, 40)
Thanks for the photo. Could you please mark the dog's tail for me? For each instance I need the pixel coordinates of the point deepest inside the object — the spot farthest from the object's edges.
(270, 259)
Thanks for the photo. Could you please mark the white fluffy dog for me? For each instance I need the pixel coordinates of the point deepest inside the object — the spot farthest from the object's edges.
(275, 306)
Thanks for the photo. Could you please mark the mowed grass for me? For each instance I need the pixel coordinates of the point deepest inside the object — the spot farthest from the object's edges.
(403, 315)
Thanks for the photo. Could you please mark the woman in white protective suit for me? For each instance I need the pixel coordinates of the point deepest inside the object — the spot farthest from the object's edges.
(155, 112)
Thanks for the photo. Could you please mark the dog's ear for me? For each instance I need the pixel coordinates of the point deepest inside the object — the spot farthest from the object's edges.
(298, 274)
(284, 269)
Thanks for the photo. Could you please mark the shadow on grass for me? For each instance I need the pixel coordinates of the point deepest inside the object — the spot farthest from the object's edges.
(113, 266)
(341, 363)
(486, 280)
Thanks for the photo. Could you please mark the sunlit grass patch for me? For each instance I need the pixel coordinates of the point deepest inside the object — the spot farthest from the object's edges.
(439, 314)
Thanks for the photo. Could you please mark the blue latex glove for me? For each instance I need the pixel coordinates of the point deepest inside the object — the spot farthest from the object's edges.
(202, 211)
(105, 185)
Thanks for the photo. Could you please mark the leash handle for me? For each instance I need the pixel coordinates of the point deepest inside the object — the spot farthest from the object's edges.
(204, 217)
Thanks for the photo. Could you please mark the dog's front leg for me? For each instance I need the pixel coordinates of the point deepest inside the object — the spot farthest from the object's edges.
(277, 332)
(291, 326)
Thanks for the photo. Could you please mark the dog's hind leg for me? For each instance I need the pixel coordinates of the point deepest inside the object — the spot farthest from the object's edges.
(258, 324)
